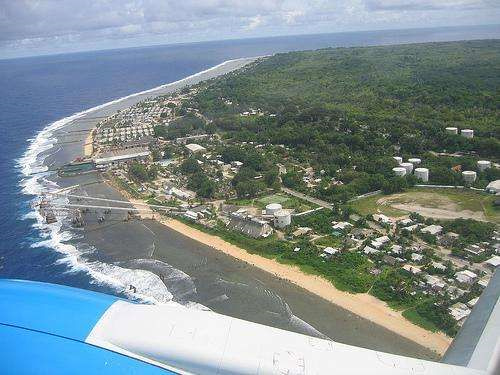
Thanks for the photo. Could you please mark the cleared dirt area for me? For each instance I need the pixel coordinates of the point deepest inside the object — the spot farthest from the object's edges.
(438, 204)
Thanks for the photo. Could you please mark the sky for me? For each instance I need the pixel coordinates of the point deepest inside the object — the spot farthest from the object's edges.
(33, 27)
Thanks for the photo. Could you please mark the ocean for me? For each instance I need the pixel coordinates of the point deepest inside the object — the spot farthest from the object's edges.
(40, 94)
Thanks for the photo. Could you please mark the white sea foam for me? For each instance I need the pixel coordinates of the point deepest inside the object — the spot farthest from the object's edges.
(35, 181)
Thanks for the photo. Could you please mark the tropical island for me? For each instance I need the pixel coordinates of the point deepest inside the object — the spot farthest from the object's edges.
(368, 176)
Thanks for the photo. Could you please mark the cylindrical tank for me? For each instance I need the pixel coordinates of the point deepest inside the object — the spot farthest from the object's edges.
(452, 130)
(407, 166)
(399, 171)
(272, 208)
(414, 161)
(469, 176)
(483, 164)
(398, 159)
(467, 133)
(282, 218)
(422, 174)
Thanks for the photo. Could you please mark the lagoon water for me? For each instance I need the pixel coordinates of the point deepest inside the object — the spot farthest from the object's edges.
(38, 91)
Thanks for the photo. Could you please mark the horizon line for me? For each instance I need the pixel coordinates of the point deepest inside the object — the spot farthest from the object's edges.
(243, 39)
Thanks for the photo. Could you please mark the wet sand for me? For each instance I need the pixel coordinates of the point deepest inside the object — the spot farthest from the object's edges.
(194, 272)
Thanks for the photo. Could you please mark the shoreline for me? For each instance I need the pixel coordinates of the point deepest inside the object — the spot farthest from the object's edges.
(363, 305)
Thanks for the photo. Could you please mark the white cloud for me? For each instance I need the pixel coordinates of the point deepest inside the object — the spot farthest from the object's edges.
(49, 23)
(254, 22)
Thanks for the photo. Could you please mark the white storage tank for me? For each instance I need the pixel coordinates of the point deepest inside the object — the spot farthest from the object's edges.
(272, 208)
(407, 166)
(422, 174)
(282, 218)
(399, 171)
(398, 159)
(483, 164)
(467, 133)
(414, 161)
(469, 176)
(452, 130)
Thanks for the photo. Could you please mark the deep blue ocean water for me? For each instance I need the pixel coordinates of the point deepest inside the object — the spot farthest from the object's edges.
(37, 91)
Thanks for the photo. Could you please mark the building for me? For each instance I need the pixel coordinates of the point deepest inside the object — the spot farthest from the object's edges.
(249, 225)
(466, 277)
(432, 229)
(405, 222)
(195, 148)
(474, 249)
(493, 262)
(412, 269)
(370, 250)
(472, 302)
(459, 311)
(329, 251)
(301, 231)
(178, 193)
(380, 218)
(397, 249)
(122, 156)
(438, 266)
(377, 243)
(417, 257)
(493, 187)
(412, 228)
(435, 283)
(282, 218)
(341, 225)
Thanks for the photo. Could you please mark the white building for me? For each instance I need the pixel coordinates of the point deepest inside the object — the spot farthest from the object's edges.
(466, 277)
(329, 251)
(435, 283)
(459, 311)
(432, 229)
(493, 262)
(417, 257)
(396, 249)
(370, 250)
(195, 148)
(412, 269)
(178, 193)
(493, 187)
(342, 225)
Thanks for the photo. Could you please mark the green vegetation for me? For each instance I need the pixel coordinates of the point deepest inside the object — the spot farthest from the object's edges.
(180, 127)
(471, 231)
(395, 287)
(347, 271)
(433, 316)
(141, 172)
(320, 221)
(361, 106)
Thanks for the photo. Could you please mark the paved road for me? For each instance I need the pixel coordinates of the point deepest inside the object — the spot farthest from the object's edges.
(308, 198)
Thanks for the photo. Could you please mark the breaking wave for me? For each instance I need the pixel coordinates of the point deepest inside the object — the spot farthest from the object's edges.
(35, 180)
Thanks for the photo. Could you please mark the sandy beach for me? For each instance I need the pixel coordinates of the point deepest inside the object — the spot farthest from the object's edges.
(363, 305)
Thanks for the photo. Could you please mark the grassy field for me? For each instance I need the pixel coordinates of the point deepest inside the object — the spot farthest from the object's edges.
(368, 206)
(449, 203)
(287, 201)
